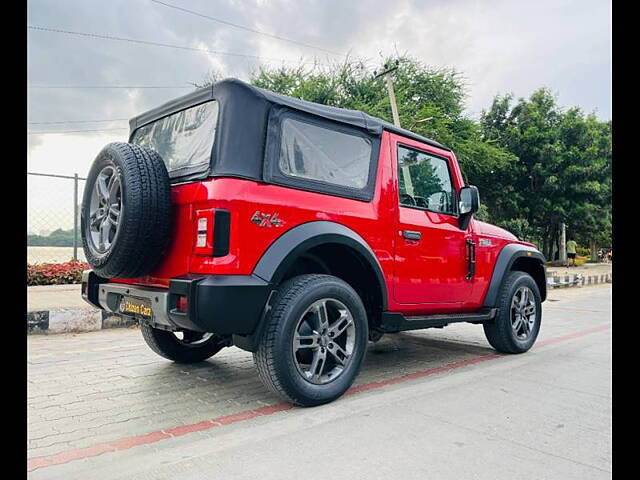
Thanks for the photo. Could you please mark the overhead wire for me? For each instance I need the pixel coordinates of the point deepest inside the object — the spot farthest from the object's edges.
(165, 45)
(248, 29)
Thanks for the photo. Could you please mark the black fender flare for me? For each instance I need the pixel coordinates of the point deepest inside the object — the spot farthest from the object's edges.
(287, 248)
(507, 256)
(281, 254)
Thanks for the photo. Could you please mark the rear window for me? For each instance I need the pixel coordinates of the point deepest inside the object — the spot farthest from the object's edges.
(313, 152)
(184, 139)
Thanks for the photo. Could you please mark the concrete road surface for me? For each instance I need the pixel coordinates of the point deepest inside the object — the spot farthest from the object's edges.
(433, 404)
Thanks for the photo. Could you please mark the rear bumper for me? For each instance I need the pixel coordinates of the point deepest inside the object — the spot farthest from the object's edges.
(223, 304)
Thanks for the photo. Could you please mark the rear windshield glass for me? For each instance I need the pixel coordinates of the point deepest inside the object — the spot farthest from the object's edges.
(317, 153)
(184, 139)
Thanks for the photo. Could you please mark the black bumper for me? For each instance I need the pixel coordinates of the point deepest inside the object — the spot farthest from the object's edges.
(223, 304)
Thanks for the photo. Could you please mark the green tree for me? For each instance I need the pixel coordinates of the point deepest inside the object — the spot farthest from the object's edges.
(57, 238)
(563, 168)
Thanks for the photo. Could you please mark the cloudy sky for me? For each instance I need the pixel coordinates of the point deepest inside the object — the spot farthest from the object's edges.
(499, 46)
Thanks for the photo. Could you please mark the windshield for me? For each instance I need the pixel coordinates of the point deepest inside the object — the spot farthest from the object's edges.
(184, 139)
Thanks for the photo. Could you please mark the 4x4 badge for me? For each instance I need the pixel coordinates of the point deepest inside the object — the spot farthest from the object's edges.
(266, 219)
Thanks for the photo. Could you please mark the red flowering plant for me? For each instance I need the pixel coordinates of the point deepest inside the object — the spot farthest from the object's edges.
(55, 273)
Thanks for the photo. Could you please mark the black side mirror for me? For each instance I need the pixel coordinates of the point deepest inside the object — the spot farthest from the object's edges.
(468, 205)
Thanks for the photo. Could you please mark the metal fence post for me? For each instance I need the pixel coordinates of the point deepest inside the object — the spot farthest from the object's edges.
(75, 216)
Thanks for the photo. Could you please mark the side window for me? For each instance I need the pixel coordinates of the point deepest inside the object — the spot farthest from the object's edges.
(424, 181)
(325, 155)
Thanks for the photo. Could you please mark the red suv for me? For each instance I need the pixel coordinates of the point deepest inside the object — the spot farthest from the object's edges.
(296, 231)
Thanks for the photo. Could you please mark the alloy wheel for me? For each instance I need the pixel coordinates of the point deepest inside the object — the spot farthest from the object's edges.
(523, 312)
(105, 210)
(324, 341)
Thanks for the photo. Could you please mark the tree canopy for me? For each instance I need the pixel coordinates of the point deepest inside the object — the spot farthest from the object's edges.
(535, 164)
(563, 171)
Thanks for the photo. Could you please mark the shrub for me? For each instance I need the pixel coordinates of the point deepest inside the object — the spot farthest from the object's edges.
(55, 273)
(583, 251)
(581, 260)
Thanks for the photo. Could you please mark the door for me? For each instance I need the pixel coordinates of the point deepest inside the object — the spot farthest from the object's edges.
(431, 260)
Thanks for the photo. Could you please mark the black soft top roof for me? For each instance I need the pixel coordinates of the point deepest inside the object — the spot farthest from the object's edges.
(244, 108)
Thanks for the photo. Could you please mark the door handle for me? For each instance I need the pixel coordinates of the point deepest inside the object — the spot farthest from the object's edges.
(411, 235)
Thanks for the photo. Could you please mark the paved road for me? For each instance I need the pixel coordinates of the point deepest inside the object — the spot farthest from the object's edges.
(431, 404)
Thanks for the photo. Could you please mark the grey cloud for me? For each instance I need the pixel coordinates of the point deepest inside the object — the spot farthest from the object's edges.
(499, 46)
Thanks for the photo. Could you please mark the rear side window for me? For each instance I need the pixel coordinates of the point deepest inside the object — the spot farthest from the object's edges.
(317, 153)
(424, 181)
(184, 139)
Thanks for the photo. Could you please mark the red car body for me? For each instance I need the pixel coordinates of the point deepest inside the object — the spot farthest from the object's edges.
(422, 277)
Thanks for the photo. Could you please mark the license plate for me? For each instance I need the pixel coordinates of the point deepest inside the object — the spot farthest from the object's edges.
(136, 306)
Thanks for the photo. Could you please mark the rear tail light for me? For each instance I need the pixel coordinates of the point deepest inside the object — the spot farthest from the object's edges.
(212, 232)
(204, 232)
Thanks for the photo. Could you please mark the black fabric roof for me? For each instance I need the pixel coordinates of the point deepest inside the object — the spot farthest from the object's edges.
(352, 117)
(245, 108)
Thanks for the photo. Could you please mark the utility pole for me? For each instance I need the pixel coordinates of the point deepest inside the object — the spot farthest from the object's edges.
(388, 70)
(563, 244)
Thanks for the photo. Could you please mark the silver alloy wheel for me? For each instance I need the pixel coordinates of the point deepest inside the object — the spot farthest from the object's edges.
(105, 210)
(324, 341)
(192, 339)
(523, 312)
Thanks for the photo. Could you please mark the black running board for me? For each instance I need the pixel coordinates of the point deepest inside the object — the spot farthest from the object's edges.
(397, 322)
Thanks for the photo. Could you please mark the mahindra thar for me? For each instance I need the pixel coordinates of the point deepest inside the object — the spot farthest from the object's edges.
(235, 216)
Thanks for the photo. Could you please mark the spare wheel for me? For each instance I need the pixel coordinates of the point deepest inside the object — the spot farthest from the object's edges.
(126, 211)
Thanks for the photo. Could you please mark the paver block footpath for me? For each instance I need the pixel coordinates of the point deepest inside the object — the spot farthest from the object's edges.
(60, 308)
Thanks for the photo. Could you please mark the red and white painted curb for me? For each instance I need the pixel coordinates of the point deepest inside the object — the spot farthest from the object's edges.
(578, 280)
(74, 320)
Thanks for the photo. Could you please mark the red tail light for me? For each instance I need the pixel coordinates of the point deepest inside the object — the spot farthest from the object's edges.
(181, 304)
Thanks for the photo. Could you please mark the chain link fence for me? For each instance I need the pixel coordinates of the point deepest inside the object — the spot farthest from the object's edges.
(53, 217)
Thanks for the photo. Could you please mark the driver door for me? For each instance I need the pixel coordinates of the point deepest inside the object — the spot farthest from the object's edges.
(431, 262)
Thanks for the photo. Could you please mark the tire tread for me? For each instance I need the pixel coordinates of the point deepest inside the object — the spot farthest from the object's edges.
(145, 230)
(265, 356)
(162, 343)
(499, 333)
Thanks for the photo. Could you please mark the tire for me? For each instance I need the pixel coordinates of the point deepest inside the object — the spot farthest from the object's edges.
(138, 217)
(282, 368)
(506, 334)
(168, 345)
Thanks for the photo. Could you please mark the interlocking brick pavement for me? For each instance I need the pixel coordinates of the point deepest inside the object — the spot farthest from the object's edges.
(90, 388)
(101, 386)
